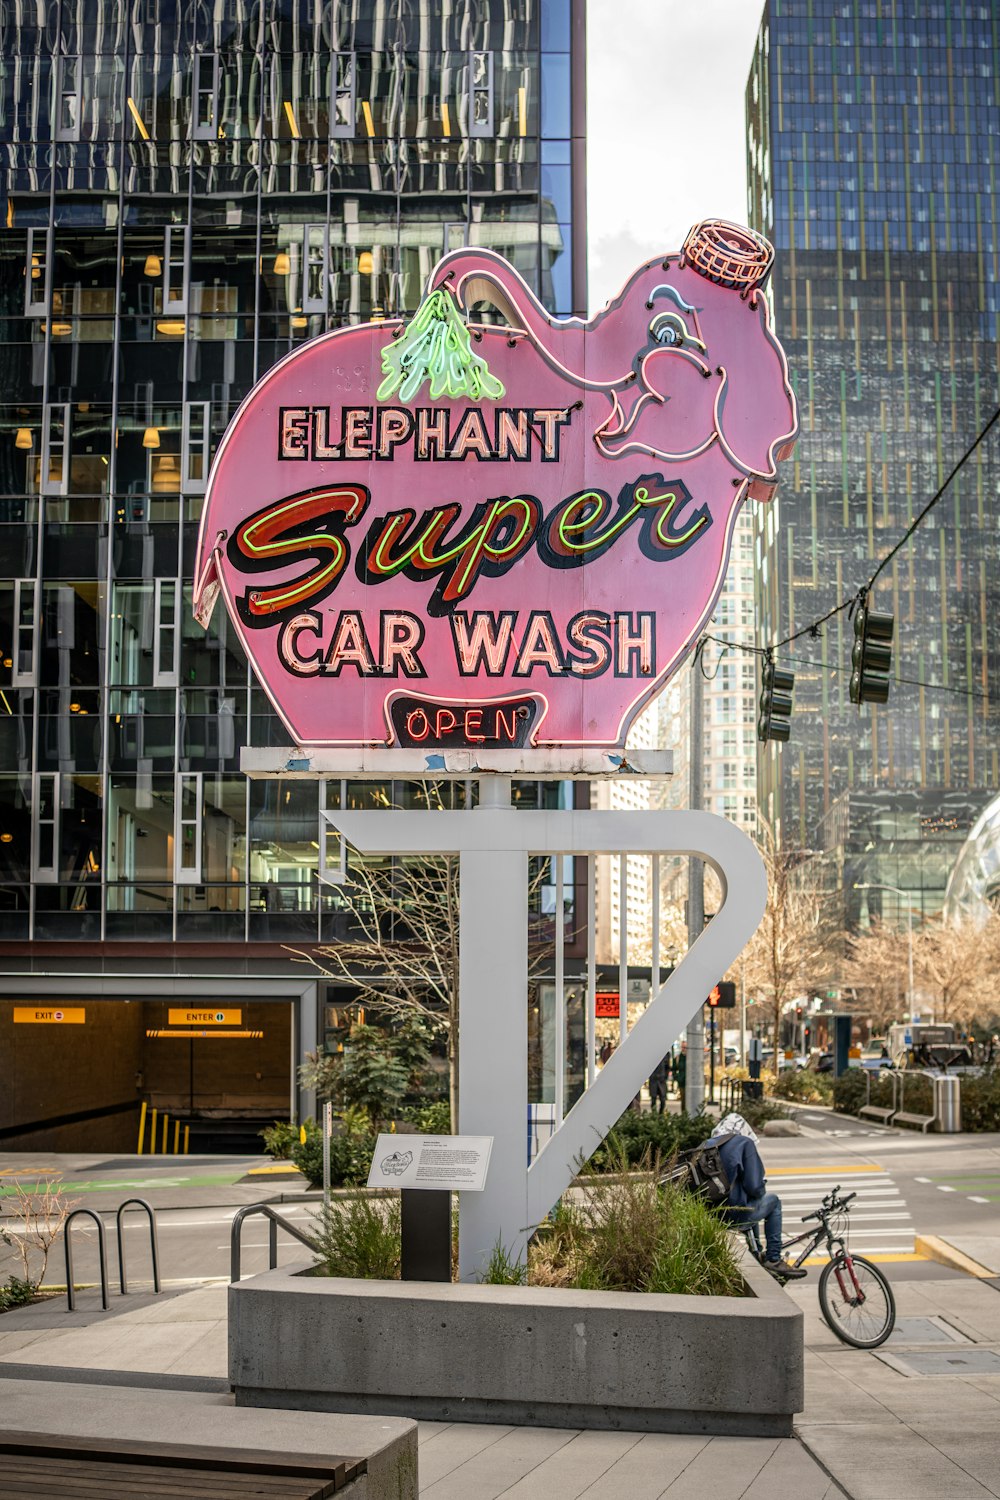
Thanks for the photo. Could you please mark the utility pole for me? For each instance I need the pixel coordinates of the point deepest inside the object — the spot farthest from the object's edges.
(694, 1091)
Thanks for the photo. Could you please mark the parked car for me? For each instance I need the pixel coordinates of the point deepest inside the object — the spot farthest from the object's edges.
(875, 1055)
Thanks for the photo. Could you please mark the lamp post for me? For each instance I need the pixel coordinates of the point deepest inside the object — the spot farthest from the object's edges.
(872, 886)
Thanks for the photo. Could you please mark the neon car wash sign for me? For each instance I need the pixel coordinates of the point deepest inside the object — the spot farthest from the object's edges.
(452, 533)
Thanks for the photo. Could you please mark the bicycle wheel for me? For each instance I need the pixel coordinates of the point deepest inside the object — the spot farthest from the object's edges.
(856, 1300)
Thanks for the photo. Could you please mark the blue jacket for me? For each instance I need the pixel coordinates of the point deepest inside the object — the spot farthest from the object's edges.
(744, 1168)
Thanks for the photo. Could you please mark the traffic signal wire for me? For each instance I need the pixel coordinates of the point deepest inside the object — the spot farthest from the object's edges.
(939, 495)
(851, 602)
(825, 666)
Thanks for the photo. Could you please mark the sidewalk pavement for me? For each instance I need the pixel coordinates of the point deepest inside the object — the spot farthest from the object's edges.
(883, 1428)
(875, 1424)
(179, 1341)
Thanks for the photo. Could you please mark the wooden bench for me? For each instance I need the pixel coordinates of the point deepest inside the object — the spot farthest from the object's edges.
(41, 1466)
(125, 1442)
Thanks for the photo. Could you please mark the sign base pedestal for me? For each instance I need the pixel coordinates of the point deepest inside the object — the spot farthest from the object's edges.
(426, 1235)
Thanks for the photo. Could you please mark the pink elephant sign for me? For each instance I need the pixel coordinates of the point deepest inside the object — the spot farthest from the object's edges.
(449, 532)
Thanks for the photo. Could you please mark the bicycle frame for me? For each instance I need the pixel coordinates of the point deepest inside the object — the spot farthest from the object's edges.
(836, 1249)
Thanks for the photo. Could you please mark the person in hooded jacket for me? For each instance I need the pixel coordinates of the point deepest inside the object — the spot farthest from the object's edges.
(749, 1202)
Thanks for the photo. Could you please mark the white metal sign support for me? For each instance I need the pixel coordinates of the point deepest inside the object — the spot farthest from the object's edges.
(493, 843)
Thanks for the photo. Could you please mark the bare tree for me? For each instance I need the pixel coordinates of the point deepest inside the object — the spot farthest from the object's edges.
(876, 967)
(793, 946)
(402, 956)
(958, 963)
(33, 1220)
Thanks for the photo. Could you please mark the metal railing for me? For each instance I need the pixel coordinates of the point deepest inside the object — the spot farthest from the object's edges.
(734, 1091)
(137, 1203)
(275, 1221)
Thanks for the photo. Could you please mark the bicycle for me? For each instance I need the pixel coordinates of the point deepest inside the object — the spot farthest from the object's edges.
(855, 1297)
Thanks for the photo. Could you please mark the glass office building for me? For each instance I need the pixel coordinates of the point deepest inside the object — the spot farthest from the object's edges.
(189, 192)
(872, 131)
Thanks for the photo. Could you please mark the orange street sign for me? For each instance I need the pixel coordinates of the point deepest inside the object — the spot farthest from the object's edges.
(47, 1015)
(207, 1016)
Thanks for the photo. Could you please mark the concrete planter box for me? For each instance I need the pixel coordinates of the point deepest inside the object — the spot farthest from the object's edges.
(542, 1356)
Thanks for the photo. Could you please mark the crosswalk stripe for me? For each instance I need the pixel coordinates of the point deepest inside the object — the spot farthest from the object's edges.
(880, 1221)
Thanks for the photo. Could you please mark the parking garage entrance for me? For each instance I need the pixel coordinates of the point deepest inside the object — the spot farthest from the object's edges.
(77, 1071)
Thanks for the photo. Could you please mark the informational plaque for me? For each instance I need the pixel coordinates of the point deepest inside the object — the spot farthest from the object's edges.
(450, 1163)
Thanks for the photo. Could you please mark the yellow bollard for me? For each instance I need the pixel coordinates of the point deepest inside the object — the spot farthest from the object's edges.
(142, 1127)
(163, 1143)
(177, 1136)
(302, 1135)
(152, 1132)
(187, 1136)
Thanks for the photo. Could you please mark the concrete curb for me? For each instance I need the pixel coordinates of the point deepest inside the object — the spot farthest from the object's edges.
(939, 1250)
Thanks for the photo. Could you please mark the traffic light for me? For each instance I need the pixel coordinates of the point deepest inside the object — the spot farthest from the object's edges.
(777, 686)
(723, 995)
(871, 658)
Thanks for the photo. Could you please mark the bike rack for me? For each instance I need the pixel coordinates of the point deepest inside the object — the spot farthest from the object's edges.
(102, 1245)
(274, 1221)
(137, 1203)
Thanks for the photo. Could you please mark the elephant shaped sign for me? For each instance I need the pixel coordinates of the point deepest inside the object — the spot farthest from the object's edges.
(484, 526)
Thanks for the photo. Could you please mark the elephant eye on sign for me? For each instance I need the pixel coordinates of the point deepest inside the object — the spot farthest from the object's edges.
(671, 328)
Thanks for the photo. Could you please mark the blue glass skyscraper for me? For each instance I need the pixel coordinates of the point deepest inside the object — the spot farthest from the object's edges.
(873, 132)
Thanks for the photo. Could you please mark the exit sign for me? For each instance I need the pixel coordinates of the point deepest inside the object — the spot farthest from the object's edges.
(37, 1015)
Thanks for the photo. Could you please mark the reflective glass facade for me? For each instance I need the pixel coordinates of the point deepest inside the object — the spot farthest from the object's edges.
(189, 191)
(873, 131)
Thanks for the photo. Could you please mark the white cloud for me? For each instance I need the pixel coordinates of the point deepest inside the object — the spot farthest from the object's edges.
(666, 138)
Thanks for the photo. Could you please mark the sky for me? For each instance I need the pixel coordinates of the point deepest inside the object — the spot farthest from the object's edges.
(665, 128)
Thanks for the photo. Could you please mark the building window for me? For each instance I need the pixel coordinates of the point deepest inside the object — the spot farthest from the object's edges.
(66, 114)
(189, 811)
(54, 478)
(38, 273)
(166, 640)
(45, 844)
(480, 93)
(315, 268)
(176, 261)
(23, 667)
(195, 440)
(205, 96)
(342, 98)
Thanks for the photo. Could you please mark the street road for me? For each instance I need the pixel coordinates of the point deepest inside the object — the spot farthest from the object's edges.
(907, 1184)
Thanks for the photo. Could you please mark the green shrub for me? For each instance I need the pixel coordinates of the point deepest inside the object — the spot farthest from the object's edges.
(802, 1086)
(359, 1236)
(376, 1069)
(17, 1293)
(631, 1235)
(280, 1138)
(850, 1091)
(757, 1112)
(434, 1119)
(350, 1158)
(503, 1269)
(981, 1101)
(636, 1135)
